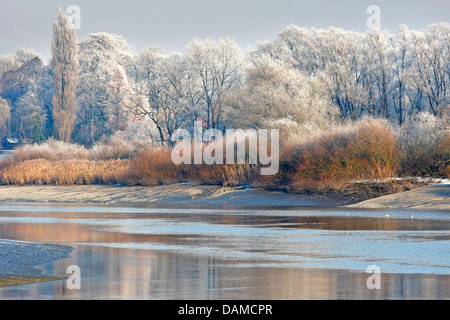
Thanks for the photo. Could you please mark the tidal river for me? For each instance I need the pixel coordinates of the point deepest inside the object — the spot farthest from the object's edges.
(144, 252)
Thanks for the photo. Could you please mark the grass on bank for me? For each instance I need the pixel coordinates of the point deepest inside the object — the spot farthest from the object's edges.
(8, 281)
(359, 161)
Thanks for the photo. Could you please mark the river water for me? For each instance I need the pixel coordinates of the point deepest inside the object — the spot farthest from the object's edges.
(144, 252)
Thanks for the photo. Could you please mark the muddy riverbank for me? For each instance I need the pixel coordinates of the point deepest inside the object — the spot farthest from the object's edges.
(431, 197)
(18, 261)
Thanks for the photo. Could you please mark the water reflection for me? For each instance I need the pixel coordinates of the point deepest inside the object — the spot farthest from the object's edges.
(139, 253)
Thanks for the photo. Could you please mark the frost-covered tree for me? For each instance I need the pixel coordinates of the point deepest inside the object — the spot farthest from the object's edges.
(333, 55)
(401, 67)
(29, 118)
(214, 69)
(393, 76)
(117, 108)
(12, 62)
(431, 74)
(20, 74)
(273, 91)
(378, 72)
(7, 63)
(44, 94)
(101, 55)
(344, 71)
(162, 92)
(4, 118)
(65, 76)
(299, 81)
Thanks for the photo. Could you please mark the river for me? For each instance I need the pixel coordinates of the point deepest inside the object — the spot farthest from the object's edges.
(149, 252)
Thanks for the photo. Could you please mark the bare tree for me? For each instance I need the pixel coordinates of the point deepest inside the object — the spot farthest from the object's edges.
(431, 76)
(380, 60)
(216, 67)
(161, 91)
(272, 90)
(65, 76)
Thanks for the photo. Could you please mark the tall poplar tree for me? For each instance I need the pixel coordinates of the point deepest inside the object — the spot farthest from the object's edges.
(65, 76)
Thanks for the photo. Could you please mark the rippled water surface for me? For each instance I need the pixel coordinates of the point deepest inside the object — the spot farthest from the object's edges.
(223, 253)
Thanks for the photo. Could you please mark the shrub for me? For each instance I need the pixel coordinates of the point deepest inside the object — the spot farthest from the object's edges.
(154, 167)
(367, 151)
(425, 141)
(55, 150)
(66, 172)
(50, 150)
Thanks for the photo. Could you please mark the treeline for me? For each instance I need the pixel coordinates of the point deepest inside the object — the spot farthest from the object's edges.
(305, 80)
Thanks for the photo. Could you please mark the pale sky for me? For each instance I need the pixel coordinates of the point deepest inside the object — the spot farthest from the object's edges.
(172, 23)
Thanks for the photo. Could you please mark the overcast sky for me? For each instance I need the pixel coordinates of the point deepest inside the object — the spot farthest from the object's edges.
(172, 23)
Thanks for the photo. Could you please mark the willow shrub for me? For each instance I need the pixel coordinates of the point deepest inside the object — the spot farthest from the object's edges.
(368, 151)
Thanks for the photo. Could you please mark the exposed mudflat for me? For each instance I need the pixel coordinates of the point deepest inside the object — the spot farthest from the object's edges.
(18, 261)
(176, 194)
(432, 197)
